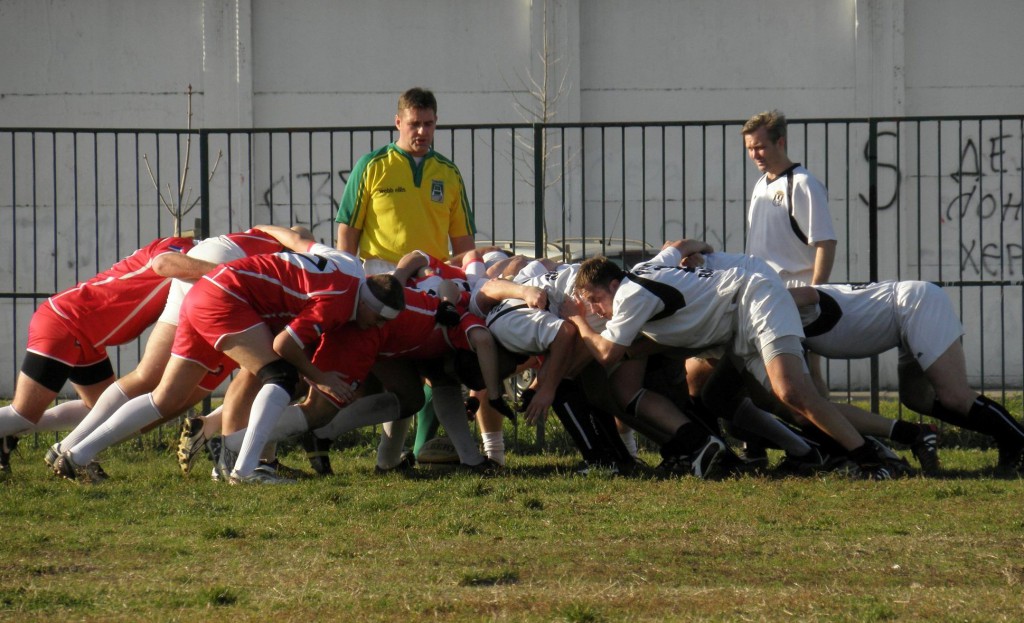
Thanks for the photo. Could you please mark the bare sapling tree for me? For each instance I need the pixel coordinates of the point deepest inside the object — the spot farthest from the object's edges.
(180, 202)
(536, 101)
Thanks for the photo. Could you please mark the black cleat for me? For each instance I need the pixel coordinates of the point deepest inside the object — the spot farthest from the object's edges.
(191, 441)
(7, 446)
(705, 463)
(487, 467)
(405, 465)
(926, 450)
(318, 453)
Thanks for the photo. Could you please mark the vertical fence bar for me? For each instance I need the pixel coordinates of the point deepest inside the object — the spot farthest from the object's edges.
(14, 250)
(704, 181)
(682, 181)
(493, 192)
(229, 140)
(622, 194)
(583, 180)
(539, 240)
(725, 204)
(309, 184)
(873, 239)
(290, 172)
(643, 200)
(512, 151)
(979, 185)
(1002, 274)
(664, 187)
(204, 187)
(563, 176)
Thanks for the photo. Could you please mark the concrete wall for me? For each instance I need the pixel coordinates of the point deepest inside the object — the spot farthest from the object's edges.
(261, 63)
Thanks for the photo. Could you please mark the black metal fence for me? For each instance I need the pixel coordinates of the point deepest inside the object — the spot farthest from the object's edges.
(937, 199)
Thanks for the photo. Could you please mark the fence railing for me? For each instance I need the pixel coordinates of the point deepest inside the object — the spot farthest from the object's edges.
(937, 199)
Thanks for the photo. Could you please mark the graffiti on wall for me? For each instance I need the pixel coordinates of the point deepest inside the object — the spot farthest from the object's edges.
(317, 203)
(986, 198)
(979, 197)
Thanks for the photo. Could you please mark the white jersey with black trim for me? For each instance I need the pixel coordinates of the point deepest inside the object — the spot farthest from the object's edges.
(558, 284)
(856, 321)
(720, 260)
(787, 216)
(704, 305)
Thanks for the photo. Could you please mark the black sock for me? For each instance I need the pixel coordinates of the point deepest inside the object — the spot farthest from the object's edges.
(987, 417)
(904, 432)
(950, 416)
(865, 454)
(1006, 429)
(687, 440)
(824, 441)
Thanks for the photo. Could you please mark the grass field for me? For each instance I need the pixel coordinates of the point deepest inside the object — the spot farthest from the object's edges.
(538, 544)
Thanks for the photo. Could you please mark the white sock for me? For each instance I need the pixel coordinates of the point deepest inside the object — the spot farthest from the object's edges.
(270, 401)
(291, 423)
(112, 399)
(494, 446)
(451, 413)
(233, 441)
(366, 411)
(11, 422)
(629, 440)
(392, 442)
(756, 420)
(269, 451)
(125, 422)
(65, 416)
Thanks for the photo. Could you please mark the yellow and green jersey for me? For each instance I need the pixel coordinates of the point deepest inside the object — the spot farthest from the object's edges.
(402, 206)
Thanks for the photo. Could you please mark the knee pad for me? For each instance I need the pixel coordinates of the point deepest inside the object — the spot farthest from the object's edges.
(280, 373)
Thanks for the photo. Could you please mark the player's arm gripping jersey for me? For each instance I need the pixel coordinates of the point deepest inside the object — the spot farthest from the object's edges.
(305, 293)
(400, 205)
(117, 305)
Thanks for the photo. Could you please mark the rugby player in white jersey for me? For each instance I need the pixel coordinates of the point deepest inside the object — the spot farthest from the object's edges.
(921, 438)
(916, 317)
(698, 309)
(531, 329)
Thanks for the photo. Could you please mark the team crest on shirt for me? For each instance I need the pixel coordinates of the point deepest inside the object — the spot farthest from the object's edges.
(437, 191)
(778, 198)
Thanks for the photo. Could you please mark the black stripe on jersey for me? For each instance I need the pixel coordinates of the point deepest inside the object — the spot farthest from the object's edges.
(671, 297)
(829, 317)
(319, 261)
(792, 211)
(502, 312)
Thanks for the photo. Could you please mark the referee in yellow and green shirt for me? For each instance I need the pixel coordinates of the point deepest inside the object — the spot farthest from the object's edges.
(400, 198)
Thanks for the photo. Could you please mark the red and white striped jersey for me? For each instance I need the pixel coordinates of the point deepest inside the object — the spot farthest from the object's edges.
(118, 304)
(307, 293)
(415, 334)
